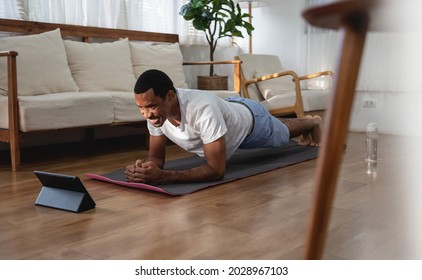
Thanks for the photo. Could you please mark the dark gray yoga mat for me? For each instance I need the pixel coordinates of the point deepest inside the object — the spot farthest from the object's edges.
(243, 163)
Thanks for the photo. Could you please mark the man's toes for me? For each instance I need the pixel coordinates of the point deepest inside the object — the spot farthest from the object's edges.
(305, 139)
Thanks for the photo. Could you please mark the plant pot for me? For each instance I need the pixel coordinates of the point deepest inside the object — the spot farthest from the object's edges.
(213, 82)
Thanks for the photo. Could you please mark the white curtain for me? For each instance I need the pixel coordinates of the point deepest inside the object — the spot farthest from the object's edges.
(13, 9)
(153, 15)
(102, 13)
(388, 64)
(146, 15)
(163, 16)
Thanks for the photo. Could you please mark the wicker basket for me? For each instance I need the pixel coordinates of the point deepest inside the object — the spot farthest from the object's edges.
(213, 82)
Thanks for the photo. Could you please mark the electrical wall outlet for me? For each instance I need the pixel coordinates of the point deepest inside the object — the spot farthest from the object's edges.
(369, 103)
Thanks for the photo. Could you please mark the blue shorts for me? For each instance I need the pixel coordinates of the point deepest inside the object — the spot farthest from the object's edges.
(267, 131)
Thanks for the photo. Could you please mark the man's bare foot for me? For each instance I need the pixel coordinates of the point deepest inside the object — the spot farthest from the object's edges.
(316, 131)
(306, 138)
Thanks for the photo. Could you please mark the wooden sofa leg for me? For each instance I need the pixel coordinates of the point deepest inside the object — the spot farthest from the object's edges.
(15, 154)
(13, 109)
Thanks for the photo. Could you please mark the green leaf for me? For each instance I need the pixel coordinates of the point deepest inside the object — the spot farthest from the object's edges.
(237, 33)
(199, 24)
(230, 26)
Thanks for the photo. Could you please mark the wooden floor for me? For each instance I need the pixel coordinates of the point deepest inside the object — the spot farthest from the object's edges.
(261, 217)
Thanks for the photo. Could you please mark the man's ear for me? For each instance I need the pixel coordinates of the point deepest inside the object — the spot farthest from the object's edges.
(171, 95)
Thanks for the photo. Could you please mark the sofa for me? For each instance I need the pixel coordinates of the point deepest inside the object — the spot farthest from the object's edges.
(57, 76)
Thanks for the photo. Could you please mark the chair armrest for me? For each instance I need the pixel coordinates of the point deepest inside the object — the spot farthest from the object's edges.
(212, 62)
(8, 53)
(273, 76)
(297, 108)
(236, 72)
(318, 74)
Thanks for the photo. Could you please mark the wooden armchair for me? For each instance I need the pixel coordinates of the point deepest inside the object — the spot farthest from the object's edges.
(262, 78)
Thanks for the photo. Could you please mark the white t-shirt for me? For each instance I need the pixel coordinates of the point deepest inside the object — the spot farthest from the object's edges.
(206, 117)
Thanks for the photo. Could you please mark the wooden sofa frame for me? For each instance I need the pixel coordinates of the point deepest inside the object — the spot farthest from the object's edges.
(13, 135)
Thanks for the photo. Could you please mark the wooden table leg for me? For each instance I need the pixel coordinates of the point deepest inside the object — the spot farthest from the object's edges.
(353, 30)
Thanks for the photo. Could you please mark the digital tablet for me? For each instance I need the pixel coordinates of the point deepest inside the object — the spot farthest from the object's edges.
(63, 192)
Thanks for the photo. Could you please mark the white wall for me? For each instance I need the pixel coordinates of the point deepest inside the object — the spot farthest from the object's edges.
(395, 112)
(278, 30)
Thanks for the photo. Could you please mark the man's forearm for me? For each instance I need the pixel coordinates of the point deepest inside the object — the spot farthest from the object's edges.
(197, 174)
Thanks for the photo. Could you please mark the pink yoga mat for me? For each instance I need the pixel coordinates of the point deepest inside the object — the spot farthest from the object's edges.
(108, 178)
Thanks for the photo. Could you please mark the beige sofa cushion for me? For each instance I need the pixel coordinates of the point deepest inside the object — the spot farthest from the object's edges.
(125, 108)
(42, 66)
(101, 66)
(165, 57)
(60, 110)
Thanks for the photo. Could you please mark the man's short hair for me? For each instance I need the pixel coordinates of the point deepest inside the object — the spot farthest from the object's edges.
(155, 79)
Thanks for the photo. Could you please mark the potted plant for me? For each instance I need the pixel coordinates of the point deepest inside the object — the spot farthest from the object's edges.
(217, 19)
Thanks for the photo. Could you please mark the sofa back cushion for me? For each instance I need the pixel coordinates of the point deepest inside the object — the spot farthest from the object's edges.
(101, 66)
(165, 57)
(42, 66)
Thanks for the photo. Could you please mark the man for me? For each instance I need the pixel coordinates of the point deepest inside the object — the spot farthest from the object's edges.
(205, 124)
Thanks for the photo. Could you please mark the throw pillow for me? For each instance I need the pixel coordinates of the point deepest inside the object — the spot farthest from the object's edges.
(101, 66)
(165, 57)
(41, 64)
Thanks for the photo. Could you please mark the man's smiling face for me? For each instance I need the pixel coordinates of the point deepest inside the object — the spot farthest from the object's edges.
(153, 107)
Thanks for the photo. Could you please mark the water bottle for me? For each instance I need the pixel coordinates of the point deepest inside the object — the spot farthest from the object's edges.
(371, 148)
